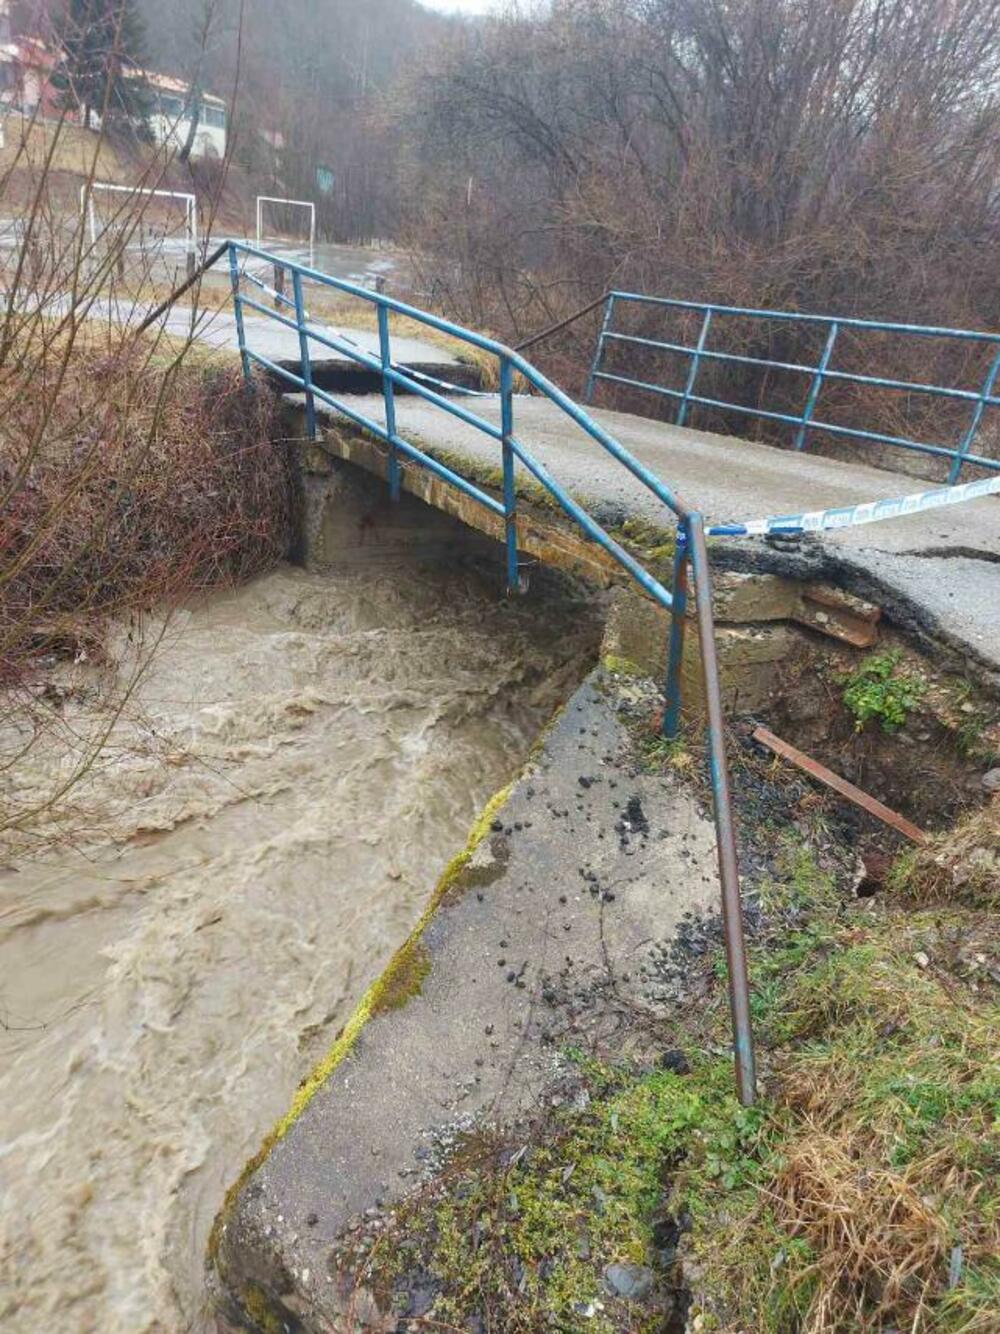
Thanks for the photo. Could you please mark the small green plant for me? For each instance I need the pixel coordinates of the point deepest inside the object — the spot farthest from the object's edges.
(879, 690)
(969, 737)
(660, 752)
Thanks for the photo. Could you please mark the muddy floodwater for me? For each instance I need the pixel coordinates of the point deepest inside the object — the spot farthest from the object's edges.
(301, 759)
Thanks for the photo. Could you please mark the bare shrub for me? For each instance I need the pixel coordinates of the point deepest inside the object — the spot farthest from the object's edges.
(790, 154)
(184, 490)
(135, 470)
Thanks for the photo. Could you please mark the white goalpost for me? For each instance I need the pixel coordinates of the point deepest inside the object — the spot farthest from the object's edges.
(88, 206)
(190, 206)
(288, 203)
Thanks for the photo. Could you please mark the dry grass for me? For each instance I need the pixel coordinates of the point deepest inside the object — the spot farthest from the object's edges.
(961, 866)
(875, 1239)
(878, 1210)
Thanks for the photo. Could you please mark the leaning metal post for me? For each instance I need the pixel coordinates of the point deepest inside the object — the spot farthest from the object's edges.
(241, 336)
(304, 354)
(509, 487)
(595, 365)
(732, 908)
(692, 375)
(977, 416)
(388, 395)
(816, 385)
(678, 617)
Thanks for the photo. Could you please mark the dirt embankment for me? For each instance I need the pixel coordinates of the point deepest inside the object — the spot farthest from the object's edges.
(66, 156)
(859, 1193)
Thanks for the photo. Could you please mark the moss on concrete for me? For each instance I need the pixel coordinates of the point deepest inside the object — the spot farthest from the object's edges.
(402, 979)
(412, 965)
(258, 1308)
(647, 539)
(454, 877)
(612, 662)
(491, 478)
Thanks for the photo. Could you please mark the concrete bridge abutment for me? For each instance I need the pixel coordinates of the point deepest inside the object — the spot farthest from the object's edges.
(764, 621)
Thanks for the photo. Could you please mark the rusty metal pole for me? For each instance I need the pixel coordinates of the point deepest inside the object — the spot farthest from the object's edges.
(732, 908)
(186, 286)
(562, 324)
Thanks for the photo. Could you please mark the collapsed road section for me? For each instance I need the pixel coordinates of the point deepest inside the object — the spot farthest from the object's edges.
(542, 934)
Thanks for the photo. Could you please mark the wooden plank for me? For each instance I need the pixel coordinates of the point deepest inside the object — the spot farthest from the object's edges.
(840, 615)
(816, 770)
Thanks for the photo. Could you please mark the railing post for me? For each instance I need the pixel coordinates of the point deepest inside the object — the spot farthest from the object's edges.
(678, 619)
(509, 487)
(300, 320)
(693, 368)
(595, 365)
(732, 908)
(977, 416)
(385, 352)
(816, 386)
(279, 284)
(241, 337)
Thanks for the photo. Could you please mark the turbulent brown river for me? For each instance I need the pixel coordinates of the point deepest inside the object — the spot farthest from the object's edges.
(299, 761)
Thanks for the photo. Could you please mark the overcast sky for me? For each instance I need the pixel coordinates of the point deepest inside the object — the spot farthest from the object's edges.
(485, 6)
(462, 6)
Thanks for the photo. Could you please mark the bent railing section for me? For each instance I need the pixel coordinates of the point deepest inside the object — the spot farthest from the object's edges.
(815, 376)
(690, 560)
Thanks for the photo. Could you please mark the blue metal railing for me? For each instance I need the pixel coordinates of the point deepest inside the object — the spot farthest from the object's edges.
(690, 550)
(818, 375)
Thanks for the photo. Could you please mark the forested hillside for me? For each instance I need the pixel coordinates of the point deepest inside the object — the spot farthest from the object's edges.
(758, 152)
(311, 92)
(783, 152)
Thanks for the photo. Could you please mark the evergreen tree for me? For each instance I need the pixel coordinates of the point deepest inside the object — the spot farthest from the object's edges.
(102, 56)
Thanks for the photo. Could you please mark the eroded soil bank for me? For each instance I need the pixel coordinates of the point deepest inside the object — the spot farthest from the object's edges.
(299, 762)
(633, 1194)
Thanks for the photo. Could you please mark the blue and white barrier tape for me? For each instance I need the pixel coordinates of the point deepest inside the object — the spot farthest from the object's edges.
(850, 516)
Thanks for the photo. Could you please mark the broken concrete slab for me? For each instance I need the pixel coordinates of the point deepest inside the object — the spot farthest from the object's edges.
(938, 573)
(538, 935)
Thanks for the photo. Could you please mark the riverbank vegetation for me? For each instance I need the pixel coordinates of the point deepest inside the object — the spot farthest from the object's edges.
(135, 472)
(141, 485)
(859, 1194)
(758, 153)
(147, 483)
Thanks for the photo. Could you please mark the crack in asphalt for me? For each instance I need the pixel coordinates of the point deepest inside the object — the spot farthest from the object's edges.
(946, 553)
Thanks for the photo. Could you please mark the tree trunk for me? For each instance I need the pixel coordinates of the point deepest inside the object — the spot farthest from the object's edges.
(194, 113)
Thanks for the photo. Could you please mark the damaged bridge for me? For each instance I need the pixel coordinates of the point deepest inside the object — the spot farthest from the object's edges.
(578, 875)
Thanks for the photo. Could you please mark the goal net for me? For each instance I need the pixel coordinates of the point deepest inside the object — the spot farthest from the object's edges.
(287, 226)
(141, 235)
